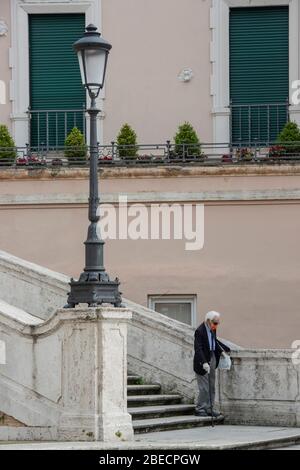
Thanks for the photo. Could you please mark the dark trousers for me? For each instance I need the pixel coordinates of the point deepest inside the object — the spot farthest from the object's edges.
(203, 402)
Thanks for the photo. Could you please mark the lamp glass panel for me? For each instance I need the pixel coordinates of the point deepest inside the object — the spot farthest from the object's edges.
(95, 66)
(80, 60)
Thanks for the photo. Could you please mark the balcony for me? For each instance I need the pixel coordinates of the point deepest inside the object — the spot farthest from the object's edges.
(48, 128)
(151, 155)
(257, 123)
(254, 130)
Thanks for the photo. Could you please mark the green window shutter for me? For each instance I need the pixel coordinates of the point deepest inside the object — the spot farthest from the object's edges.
(259, 72)
(55, 82)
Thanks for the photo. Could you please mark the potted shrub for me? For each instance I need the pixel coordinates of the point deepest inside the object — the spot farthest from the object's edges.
(21, 161)
(127, 142)
(173, 155)
(227, 158)
(187, 143)
(7, 147)
(290, 135)
(158, 159)
(244, 154)
(145, 158)
(35, 160)
(75, 147)
(105, 158)
(57, 162)
(276, 152)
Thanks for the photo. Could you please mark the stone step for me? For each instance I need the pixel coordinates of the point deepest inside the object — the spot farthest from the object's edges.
(153, 411)
(170, 423)
(148, 400)
(148, 412)
(142, 389)
(134, 379)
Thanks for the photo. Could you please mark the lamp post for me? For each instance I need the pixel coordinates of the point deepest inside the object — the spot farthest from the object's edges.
(94, 286)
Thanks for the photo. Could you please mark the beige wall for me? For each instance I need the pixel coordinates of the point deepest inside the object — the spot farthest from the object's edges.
(249, 267)
(152, 42)
(5, 74)
(177, 180)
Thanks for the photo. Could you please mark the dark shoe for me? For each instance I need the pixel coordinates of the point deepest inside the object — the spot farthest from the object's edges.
(202, 414)
(214, 414)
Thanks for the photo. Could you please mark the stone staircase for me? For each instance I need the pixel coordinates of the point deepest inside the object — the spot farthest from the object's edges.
(153, 411)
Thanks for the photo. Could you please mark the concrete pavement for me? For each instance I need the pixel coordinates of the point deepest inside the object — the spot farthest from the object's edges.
(290, 448)
(207, 438)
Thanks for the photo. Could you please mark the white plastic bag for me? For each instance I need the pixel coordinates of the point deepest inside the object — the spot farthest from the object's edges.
(225, 362)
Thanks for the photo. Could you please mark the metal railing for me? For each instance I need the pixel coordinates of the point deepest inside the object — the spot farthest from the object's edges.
(151, 155)
(50, 127)
(249, 124)
(257, 122)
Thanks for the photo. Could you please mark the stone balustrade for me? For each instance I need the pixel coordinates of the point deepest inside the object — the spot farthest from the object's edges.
(66, 376)
(263, 386)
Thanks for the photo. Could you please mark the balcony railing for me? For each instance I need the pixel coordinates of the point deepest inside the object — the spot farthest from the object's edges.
(150, 155)
(50, 127)
(249, 124)
(257, 122)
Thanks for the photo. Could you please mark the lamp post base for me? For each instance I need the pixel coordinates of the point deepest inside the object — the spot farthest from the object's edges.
(94, 292)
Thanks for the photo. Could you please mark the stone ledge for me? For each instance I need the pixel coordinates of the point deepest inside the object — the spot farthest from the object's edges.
(14, 318)
(31, 272)
(222, 438)
(18, 315)
(81, 199)
(151, 172)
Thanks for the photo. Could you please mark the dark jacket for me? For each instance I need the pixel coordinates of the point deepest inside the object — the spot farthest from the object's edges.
(202, 349)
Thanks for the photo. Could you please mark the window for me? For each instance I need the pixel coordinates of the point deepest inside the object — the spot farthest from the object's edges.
(259, 73)
(57, 97)
(180, 308)
(220, 83)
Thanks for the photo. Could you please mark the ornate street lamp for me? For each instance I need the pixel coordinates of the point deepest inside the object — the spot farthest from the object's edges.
(94, 286)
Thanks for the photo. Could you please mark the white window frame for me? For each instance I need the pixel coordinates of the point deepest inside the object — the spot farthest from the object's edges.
(220, 80)
(176, 299)
(19, 55)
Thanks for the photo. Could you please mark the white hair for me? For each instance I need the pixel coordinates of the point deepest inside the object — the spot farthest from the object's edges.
(211, 315)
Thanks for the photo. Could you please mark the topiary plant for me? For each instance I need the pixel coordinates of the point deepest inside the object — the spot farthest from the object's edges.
(127, 142)
(7, 147)
(289, 134)
(187, 142)
(244, 154)
(75, 147)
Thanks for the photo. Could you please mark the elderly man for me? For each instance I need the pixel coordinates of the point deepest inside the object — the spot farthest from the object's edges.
(208, 350)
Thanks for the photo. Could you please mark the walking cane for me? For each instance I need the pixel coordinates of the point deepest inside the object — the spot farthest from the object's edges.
(210, 399)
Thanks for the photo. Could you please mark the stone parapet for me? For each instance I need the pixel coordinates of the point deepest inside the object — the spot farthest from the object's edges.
(68, 373)
(166, 171)
(262, 388)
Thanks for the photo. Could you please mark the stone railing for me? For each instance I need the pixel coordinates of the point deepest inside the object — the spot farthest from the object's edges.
(30, 287)
(159, 349)
(65, 378)
(262, 387)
